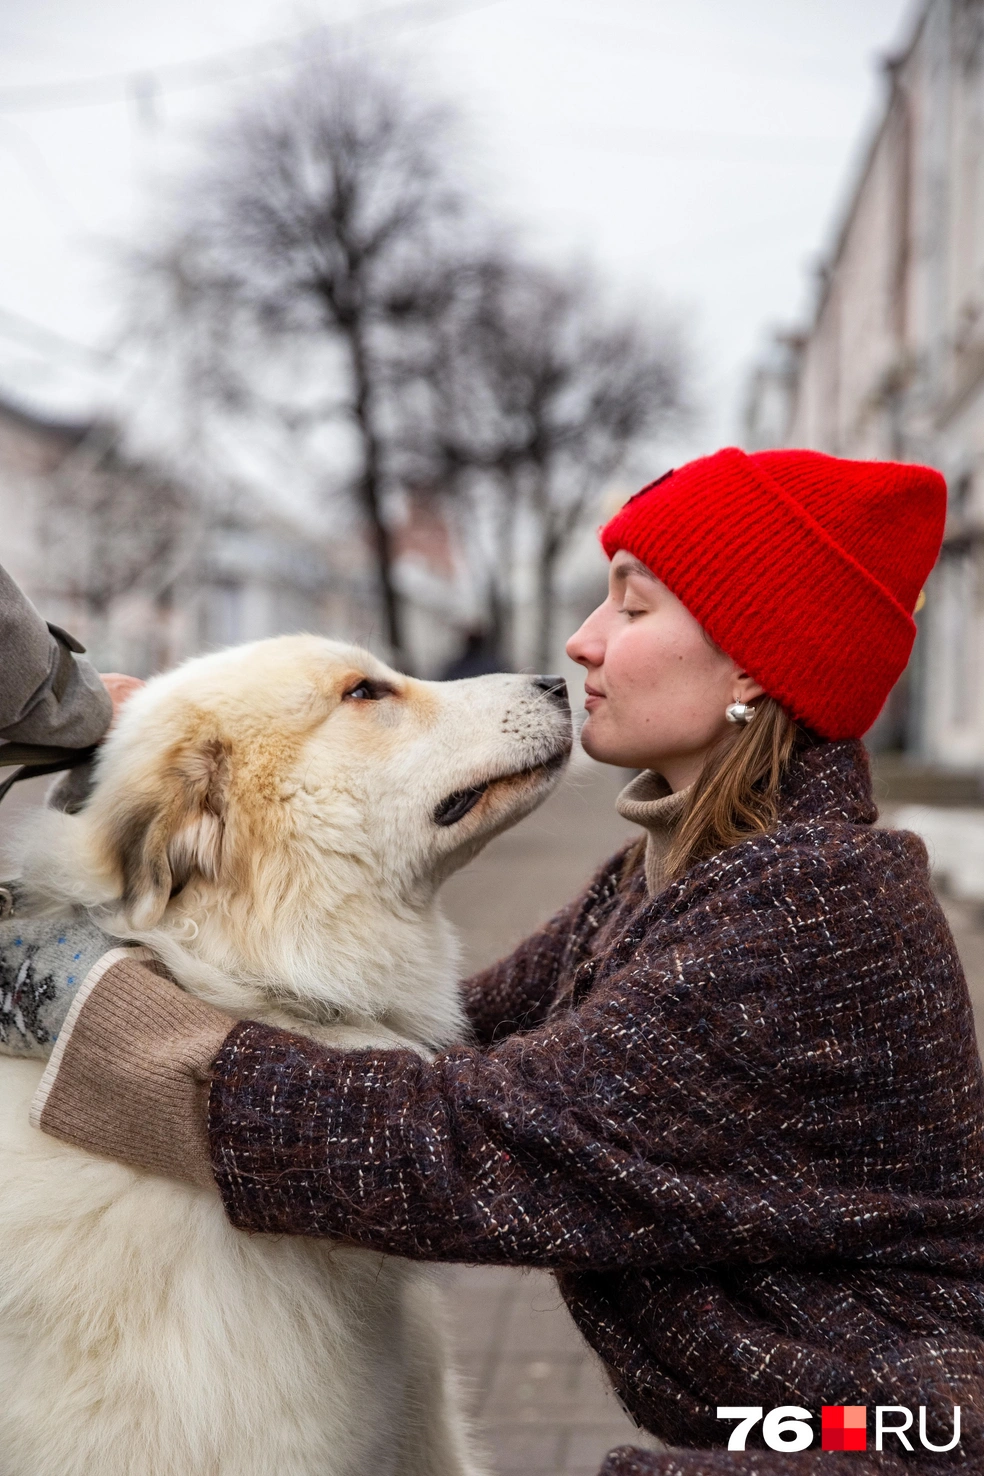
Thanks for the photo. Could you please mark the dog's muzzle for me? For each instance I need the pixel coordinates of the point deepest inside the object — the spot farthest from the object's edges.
(555, 688)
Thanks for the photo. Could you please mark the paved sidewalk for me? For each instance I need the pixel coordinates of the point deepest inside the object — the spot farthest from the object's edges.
(539, 1397)
(541, 1403)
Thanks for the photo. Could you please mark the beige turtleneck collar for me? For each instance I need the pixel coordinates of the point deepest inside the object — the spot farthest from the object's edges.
(648, 800)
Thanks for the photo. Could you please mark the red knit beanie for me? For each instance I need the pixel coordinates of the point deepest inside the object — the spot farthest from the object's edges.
(805, 568)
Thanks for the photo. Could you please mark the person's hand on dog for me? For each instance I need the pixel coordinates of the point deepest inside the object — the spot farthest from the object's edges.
(43, 961)
(120, 688)
(74, 787)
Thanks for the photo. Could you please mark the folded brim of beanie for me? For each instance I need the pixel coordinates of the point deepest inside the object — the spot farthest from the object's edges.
(772, 588)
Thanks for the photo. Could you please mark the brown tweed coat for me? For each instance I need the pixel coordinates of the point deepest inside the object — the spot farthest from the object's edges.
(743, 1121)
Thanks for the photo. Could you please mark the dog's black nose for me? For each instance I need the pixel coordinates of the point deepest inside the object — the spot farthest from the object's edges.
(555, 688)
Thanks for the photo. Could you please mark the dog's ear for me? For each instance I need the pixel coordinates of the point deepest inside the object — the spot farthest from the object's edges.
(164, 841)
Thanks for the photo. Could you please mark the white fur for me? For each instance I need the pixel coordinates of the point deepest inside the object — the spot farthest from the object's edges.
(140, 1335)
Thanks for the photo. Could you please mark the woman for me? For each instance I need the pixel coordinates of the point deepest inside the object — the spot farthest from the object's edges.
(731, 1094)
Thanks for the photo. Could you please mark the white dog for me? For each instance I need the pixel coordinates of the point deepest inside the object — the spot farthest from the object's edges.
(274, 822)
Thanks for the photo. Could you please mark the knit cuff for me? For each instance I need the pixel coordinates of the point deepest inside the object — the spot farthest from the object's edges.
(129, 1076)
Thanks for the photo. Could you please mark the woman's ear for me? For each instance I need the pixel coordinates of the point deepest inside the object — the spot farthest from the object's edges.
(746, 688)
(162, 840)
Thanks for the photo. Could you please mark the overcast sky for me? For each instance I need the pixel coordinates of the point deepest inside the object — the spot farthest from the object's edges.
(697, 150)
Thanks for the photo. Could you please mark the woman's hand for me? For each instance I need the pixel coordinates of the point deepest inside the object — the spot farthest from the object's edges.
(120, 688)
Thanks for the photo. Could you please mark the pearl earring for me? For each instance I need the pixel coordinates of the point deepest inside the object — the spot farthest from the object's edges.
(740, 713)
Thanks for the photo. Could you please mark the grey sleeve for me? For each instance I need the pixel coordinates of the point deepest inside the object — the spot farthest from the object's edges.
(48, 694)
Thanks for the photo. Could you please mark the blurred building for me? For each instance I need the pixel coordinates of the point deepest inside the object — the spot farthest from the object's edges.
(892, 364)
(141, 567)
(148, 571)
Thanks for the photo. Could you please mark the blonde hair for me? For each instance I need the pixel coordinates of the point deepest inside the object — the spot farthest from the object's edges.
(737, 793)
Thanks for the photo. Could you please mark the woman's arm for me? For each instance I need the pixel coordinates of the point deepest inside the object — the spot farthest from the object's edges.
(680, 1115)
(516, 993)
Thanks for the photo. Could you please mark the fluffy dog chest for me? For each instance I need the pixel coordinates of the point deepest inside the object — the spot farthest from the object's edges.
(116, 1286)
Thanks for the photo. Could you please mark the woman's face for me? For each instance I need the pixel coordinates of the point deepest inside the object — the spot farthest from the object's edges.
(656, 687)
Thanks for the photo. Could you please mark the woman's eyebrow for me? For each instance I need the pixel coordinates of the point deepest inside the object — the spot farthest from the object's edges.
(625, 567)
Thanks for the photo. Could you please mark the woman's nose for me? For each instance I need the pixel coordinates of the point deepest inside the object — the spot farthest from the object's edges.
(586, 646)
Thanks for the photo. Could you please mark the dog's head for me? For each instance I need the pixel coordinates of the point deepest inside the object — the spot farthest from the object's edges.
(301, 762)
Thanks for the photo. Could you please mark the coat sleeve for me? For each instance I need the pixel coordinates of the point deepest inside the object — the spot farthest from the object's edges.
(47, 694)
(516, 993)
(624, 1132)
(628, 1461)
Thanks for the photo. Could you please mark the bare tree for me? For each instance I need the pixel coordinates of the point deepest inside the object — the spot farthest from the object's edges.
(538, 395)
(305, 246)
(457, 432)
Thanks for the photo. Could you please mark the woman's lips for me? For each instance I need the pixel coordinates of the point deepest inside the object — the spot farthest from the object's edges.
(592, 698)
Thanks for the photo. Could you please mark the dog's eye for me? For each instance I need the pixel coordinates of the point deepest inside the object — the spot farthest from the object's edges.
(368, 691)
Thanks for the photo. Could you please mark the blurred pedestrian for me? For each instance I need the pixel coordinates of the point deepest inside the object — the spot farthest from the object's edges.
(730, 1095)
(478, 656)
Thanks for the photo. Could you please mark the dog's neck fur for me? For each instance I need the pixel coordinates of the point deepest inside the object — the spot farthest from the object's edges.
(367, 959)
(365, 965)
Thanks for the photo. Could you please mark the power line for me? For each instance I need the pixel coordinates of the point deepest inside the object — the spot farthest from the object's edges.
(227, 66)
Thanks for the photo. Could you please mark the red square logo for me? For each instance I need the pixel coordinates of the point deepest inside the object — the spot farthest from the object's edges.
(844, 1427)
